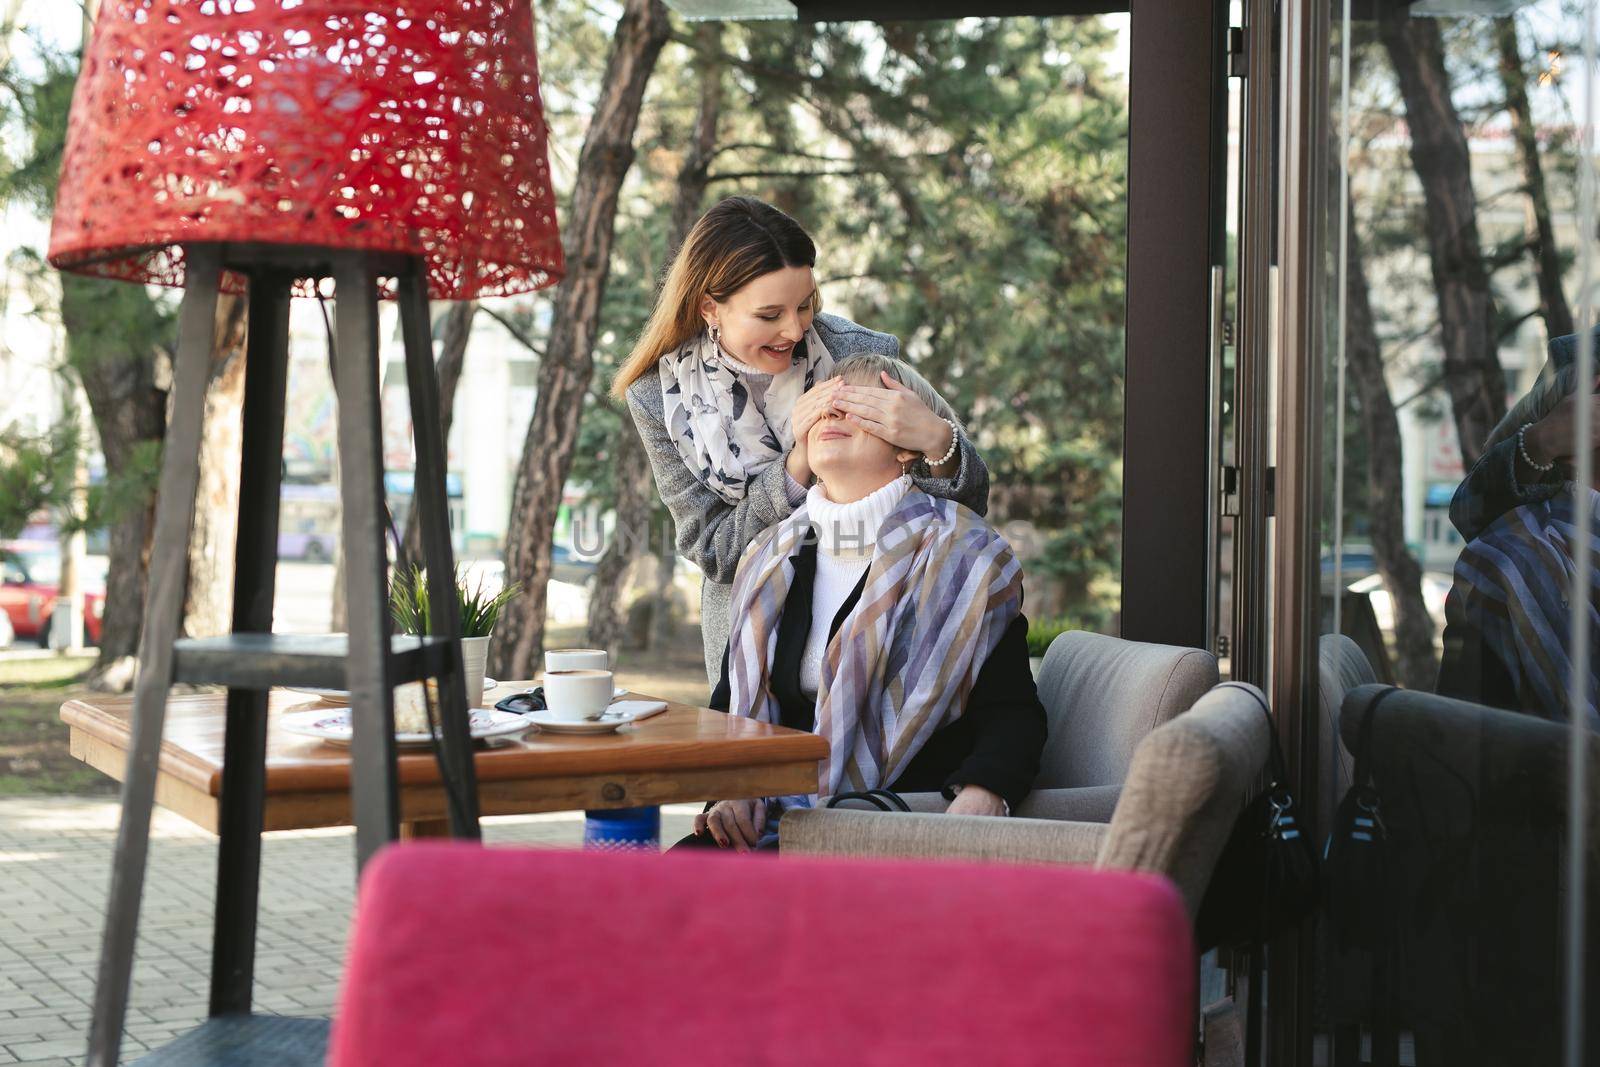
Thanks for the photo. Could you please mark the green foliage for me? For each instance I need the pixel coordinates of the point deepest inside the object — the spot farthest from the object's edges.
(37, 471)
(966, 185)
(480, 609)
(1041, 632)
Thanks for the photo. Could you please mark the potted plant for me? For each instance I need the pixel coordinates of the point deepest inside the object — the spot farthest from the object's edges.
(479, 611)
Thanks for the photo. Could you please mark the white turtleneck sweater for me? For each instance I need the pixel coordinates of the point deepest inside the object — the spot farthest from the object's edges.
(846, 534)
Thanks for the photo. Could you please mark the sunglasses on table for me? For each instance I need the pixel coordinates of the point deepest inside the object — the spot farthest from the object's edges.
(524, 702)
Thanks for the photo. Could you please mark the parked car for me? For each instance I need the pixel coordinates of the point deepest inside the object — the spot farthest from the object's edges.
(311, 547)
(567, 566)
(30, 575)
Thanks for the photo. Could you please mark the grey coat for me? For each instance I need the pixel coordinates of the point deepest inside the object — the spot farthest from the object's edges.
(713, 533)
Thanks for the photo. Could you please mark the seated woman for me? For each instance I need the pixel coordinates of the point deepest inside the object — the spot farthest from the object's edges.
(887, 621)
(1507, 639)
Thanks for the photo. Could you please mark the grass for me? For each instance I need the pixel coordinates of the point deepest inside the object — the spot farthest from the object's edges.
(33, 742)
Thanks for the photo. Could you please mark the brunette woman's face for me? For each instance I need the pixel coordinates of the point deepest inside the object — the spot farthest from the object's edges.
(762, 322)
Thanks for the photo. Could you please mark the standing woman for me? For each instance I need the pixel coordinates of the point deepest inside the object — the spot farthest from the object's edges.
(723, 386)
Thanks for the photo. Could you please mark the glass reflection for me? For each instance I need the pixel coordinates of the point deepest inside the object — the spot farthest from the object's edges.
(1507, 642)
(1454, 880)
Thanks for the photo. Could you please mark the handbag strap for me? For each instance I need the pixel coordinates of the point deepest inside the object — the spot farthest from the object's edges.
(1362, 774)
(882, 799)
(895, 799)
(1278, 767)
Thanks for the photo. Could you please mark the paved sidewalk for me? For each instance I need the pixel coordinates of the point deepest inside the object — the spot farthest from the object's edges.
(55, 863)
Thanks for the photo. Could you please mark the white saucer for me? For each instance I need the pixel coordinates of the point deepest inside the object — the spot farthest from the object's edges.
(333, 726)
(619, 714)
(342, 696)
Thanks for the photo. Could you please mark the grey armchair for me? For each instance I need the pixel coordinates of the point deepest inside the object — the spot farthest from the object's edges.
(1101, 695)
(1187, 782)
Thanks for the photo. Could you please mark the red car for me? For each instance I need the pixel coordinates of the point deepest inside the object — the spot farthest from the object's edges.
(30, 572)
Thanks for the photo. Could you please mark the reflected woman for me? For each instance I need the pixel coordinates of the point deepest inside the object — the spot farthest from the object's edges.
(1520, 460)
(887, 621)
(730, 375)
(1507, 640)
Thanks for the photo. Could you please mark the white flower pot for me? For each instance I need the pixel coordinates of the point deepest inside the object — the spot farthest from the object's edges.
(474, 659)
(411, 699)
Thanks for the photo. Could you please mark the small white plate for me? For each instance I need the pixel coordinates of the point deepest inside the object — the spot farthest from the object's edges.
(327, 696)
(333, 726)
(342, 696)
(619, 714)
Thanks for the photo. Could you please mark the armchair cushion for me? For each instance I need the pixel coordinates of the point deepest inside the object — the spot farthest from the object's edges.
(922, 835)
(1103, 695)
(1089, 804)
(1094, 803)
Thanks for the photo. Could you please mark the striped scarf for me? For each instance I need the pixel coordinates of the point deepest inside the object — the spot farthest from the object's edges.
(1512, 586)
(940, 591)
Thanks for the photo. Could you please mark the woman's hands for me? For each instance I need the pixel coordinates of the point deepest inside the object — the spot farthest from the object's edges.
(735, 824)
(813, 404)
(975, 799)
(897, 415)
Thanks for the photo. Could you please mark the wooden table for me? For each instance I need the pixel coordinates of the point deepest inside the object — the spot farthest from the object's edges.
(686, 753)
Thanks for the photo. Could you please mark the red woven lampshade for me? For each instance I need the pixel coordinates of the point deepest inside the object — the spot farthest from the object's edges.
(407, 126)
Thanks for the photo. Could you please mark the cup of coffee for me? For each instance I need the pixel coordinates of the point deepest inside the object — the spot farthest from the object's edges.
(577, 659)
(577, 694)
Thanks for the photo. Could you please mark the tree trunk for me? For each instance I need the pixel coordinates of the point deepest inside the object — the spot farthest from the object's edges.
(695, 173)
(1472, 374)
(1401, 573)
(452, 356)
(634, 477)
(660, 633)
(1542, 242)
(568, 365)
(207, 609)
(606, 617)
(130, 418)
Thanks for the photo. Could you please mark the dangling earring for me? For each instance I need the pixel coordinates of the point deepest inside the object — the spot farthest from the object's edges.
(716, 334)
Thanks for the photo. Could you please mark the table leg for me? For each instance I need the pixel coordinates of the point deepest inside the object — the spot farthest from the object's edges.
(420, 828)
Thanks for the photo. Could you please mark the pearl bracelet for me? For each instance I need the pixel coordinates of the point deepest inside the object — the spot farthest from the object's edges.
(955, 443)
(1522, 450)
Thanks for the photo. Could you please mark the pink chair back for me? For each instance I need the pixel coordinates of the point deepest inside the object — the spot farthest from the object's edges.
(471, 956)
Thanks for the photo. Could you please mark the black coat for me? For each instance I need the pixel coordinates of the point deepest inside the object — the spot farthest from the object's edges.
(994, 744)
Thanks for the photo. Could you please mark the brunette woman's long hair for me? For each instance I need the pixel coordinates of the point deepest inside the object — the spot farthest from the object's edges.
(737, 241)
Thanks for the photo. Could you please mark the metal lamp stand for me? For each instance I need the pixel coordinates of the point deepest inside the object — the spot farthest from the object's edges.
(370, 662)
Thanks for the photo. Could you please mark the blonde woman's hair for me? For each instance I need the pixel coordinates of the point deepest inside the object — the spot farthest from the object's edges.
(864, 368)
(734, 243)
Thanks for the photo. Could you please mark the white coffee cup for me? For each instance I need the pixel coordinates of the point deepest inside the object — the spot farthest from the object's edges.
(576, 659)
(577, 694)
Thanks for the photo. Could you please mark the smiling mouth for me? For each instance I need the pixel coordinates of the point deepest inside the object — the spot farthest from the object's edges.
(784, 351)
